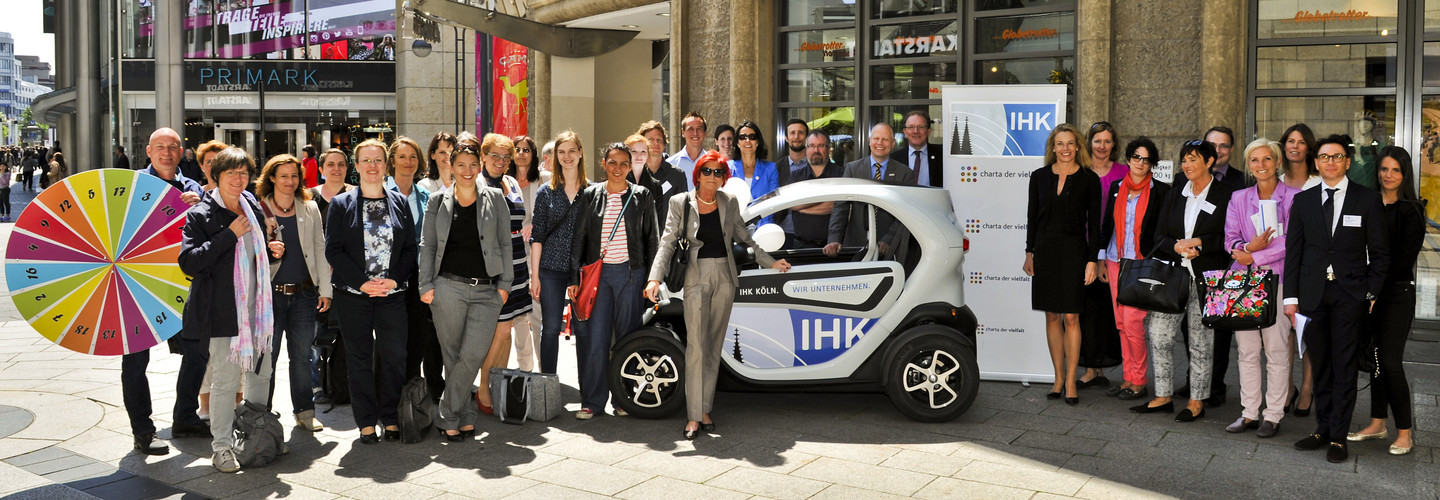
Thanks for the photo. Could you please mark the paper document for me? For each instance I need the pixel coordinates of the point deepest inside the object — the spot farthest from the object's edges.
(1300, 321)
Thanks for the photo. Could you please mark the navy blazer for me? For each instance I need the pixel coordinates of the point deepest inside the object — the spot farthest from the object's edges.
(1147, 222)
(1310, 248)
(1209, 227)
(345, 240)
(207, 255)
(934, 155)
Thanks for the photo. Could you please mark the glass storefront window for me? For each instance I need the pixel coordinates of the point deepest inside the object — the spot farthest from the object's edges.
(1325, 66)
(918, 39)
(818, 46)
(839, 122)
(1427, 277)
(1012, 34)
(1057, 70)
(217, 29)
(910, 81)
(896, 117)
(1368, 120)
(1430, 66)
(886, 9)
(803, 12)
(986, 5)
(1318, 18)
(1432, 15)
(819, 84)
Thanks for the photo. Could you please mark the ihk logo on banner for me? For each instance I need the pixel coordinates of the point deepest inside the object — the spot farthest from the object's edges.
(1000, 129)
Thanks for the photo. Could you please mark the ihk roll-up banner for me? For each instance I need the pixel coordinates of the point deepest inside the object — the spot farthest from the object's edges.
(994, 137)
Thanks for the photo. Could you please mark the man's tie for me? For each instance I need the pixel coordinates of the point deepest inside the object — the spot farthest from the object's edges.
(1327, 209)
(877, 171)
(915, 161)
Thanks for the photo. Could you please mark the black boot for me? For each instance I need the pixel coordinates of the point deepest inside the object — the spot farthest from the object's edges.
(145, 443)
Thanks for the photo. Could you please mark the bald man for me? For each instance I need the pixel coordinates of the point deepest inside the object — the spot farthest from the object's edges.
(165, 150)
(849, 229)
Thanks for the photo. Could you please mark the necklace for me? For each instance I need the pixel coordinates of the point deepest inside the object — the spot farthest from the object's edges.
(283, 210)
(702, 200)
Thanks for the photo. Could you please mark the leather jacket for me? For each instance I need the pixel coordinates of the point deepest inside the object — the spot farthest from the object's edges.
(641, 229)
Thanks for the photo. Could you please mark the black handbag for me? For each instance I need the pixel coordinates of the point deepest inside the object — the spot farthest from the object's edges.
(1153, 285)
(680, 261)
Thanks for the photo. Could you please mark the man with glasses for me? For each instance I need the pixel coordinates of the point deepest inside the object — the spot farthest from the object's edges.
(811, 222)
(1336, 258)
(693, 129)
(847, 227)
(925, 160)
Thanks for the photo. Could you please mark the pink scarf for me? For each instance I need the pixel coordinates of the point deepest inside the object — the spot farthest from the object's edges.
(252, 339)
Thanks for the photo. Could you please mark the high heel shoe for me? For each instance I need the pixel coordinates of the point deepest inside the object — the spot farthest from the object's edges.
(1303, 412)
(1146, 408)
(467, 433)
(710, 427)
(454, 438)
(691, 435)
(1290, 403)
(1072, 401)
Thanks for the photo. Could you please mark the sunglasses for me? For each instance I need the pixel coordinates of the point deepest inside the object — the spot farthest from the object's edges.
(713, 172)
(748, 137)
(1147, 161)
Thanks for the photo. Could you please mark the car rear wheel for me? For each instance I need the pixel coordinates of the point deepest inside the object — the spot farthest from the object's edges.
(646, 375)
(933, 378)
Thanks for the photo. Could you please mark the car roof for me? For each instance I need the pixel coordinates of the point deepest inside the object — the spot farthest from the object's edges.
(911, 204)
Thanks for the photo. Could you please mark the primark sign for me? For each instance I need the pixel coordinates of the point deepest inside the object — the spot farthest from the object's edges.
(274, 76)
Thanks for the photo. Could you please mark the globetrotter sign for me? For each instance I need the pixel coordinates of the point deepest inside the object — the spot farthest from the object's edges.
(995, 136)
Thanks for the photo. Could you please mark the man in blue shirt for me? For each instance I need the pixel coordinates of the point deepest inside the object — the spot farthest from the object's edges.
(693, 129)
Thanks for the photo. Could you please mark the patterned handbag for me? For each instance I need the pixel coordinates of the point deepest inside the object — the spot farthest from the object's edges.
(1239, 300)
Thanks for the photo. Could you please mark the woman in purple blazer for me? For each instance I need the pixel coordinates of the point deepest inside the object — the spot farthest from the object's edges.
(1264, 250)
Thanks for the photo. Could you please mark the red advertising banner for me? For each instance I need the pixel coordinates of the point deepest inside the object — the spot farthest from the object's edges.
(511, 95)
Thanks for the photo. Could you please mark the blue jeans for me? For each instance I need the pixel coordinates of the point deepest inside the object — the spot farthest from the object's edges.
(616, 313)
(552, 311)
(295, 321)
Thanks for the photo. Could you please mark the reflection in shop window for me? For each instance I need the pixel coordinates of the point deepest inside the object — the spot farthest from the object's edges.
(1012, 34)
(910, 81)
(1427, 284)
(885, 9)
(819, 46)
(918, 39)
(839, 122)
(819, 85)
(803, 12)
(1319, 18)
(1368, 120)
(1056, 70)
(984, 5)
(1325, 66)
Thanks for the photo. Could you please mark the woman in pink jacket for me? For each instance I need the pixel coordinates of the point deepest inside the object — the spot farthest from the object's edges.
(1261, 250)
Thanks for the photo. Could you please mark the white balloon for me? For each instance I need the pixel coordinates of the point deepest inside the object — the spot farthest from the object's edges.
(769, 237)
(739, 189)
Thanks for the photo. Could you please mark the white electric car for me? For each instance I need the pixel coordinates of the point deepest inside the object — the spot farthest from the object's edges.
(863, 320)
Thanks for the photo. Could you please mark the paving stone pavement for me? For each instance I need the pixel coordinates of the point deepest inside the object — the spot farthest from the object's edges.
(1013, 443)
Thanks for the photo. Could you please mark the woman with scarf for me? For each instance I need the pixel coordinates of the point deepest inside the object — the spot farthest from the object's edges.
(495, 153)
(1131, 211)
(223, 250)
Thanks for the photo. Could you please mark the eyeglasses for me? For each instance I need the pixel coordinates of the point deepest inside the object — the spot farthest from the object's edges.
(748, 137)
(1331, 158)
(713, 172)
(1143, 159)
(916, 128)
(1196, 142)
(497, 156)
(1099, 125)
(524, 150)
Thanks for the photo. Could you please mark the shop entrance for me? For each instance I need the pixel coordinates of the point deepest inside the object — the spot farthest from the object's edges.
(277, 138)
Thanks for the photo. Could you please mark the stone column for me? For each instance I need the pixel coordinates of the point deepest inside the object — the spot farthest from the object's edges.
(1223, 71)
(169, 80)
(744, 52)
(679, 73)
(89, 151)
(540, 81)
(1092, 54)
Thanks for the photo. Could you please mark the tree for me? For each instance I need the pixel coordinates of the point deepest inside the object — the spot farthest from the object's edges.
(27, 117)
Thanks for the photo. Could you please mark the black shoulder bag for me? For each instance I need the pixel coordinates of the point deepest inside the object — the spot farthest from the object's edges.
(680, 261)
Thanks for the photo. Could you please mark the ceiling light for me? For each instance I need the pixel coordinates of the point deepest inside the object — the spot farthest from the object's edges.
(1385, 32)
(663, 14)
(994, 69)
(629, 26)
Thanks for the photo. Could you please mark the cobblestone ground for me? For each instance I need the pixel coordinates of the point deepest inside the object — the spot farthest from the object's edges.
(64, 434)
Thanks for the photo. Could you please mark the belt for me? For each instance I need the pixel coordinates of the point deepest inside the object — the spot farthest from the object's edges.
(489, 280)
(293, 288)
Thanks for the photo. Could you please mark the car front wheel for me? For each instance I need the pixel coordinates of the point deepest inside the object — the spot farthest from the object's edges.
(646, 375)
(933, 378)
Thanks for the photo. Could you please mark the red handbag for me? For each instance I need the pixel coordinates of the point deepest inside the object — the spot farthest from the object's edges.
(584, 302)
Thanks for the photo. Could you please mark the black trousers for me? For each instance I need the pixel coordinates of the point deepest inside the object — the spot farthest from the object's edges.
(374, 332)
(135, 386)
(422, 349)
(1390, 325)
(194, 355)
(1221, 361)
(1332, 341)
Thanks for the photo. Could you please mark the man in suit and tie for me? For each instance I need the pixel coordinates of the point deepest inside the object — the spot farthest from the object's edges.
(923, 158)
(1336, 259)
(848, 228)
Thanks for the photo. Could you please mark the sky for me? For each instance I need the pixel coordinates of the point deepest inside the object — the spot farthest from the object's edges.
(23, 20)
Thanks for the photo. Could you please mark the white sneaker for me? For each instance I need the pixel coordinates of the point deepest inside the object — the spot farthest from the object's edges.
(306, 420)
(225, 461)
(584, 414)
(620, 412)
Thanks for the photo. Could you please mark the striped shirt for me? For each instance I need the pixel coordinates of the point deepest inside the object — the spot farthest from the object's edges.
(615, 250)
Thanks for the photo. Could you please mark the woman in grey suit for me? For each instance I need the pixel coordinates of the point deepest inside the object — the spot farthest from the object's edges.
(465, 276)
(710, 281)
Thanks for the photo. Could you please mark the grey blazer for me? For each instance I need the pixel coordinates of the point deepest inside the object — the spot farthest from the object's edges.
(730, 224)
(493, 219)
(312, 246)
(850, 231)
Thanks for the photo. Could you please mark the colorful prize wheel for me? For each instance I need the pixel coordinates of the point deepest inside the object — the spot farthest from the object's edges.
(92, 262)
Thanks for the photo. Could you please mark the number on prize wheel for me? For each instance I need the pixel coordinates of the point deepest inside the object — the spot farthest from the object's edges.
(92, 262)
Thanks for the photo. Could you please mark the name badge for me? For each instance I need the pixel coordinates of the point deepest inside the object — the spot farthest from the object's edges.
(1207, 207)
(665, 187)
(1350, 220)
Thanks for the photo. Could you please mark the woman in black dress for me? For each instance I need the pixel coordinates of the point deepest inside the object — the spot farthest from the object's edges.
(1062, 237)
(1394, 310)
